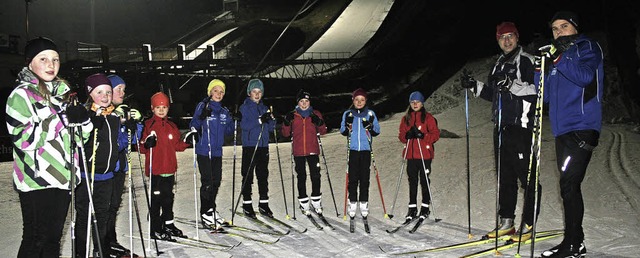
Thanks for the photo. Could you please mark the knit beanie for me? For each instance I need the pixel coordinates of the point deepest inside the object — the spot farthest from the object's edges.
(359, 92)
(416, 95)
(213, 83)
(571, 17)
(255, 84)
(302, 95)
(96, 80)
(115, 80)
(38, 45)
(506, 27)
(159, 99)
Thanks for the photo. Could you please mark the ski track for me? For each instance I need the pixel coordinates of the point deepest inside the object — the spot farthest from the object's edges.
(619, 168)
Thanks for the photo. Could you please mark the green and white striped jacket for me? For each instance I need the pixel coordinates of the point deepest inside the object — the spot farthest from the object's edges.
(42, 142)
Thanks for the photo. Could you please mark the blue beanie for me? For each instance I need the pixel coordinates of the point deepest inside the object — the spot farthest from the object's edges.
(255, 84)
(416, 95)
(115, 80)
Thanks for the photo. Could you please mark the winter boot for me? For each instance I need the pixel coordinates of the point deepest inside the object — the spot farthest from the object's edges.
(172, 230)
(504, 228)
(526, 234)
(247, 208)
(411, 214)
(353, 206)
(424, 211)
(364, 209)
(316, 202)
(264, 209)
(304, 206)
(566, 250)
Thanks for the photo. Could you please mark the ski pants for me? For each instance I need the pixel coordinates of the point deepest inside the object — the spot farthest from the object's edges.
(44, 213)
(210, 178)
(314, 172)
(359, 175)
(415, 175)
(573, 153)
(260, 165)
(161, 200)
(102, 191)
(515, 151)
(116, 200)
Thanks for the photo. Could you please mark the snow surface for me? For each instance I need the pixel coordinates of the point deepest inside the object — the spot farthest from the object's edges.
(611, 191)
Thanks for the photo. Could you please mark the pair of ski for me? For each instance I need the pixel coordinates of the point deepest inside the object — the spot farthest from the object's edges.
(321, 217)
(420, 220)
(225, 226)
(274, 220)
(197, 243)
(542, 235)
(352, 224)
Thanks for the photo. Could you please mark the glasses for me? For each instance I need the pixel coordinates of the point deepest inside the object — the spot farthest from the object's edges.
(507, 36)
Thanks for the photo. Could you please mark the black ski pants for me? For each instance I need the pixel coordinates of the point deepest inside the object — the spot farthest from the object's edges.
(44, 213)
(102, 191)
(116, 200)
(161, 200)
(415, 175)
(314, 172)
(210, 178)
(260, 165)
(359, 175)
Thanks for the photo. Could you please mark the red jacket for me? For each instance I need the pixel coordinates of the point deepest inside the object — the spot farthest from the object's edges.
(168, 142)
(431, 135)
(305, 133)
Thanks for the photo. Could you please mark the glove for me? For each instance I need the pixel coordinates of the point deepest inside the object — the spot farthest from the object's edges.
(151, 140)
(349, 119)
(76, 113)
(409, 134)
(467, 81)
(503, 83)
(135, 115)
(366, 124)
(266, 117)
(417, 133)
(288, 119)
(563, 43)
(191, 135)
(206, 112)
(122, 111)
(97, 121)
(131, 125)
(237, 116)
(315, 119)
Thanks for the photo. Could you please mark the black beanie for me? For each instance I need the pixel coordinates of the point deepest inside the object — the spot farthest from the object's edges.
(303, 95)
(38, 45)
(571, 17)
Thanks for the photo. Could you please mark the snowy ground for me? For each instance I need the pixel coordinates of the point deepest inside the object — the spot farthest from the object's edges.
(611, 189)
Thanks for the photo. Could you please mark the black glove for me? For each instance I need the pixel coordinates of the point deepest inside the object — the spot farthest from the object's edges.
(467, 81)
(150, 141)
(76, 113)
(367, 124)
(349, 119)
(409, 134)
(288, 118)
(563, 43)
(266, 117)
(237, 116)
(206, 112)
(315, 119)
(417, 133)
(503, 83)
(97, 121)
(131, 125)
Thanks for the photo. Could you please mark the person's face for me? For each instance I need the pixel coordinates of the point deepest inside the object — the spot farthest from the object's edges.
(217, 93)
(359, 101)
(160, 111)
(304, 104)
(416, 105)
(562, 28)
(508, 42)
(45, 65)
(255, 95)
(102, 95)
(118, 94)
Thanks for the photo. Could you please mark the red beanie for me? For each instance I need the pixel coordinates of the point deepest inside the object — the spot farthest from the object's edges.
(506, 27)
(159, 99)
(96, 80)
(359, 92)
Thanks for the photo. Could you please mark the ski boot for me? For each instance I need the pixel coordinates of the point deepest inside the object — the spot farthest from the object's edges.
(117, 251)
(353, 206)
(504, 228)
(247, 208)
(316, 202)
(161, 235)
(526, 234)
(304, 206)
(364, 209)
(172, 230)
(424, 211)
(264, 209)
(412, 213)
(566, 250)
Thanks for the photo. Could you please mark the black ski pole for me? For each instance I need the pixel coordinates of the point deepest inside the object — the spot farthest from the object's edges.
(404, 161)
(293, 180)
(244, 180)
(145, 187)
(284, 195)
(324, 159)
(498, 166)
(132, 196)
(426, 177)
(466, 109)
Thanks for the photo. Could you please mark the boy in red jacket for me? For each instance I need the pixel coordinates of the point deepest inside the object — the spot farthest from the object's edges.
(304, 124)
(161, 141)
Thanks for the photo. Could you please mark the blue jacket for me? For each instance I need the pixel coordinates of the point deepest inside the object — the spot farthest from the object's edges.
(250, 124)
(573, 87)
(359, 137)
(123, 142)
(212, 131)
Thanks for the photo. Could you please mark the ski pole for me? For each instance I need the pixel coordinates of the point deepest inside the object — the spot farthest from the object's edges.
(346, 181)
(233, 176)
(498, 165)
(284, 195)
(195, 183)
(145, 188)
(466, 112)
(293, 180)
(132, 197)
(375, 168)
(91, 214)
(324, 159)
(426, 177)
(247, 175)
(72, 178)
(404, 161)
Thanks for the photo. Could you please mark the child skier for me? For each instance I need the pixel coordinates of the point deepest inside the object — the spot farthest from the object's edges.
(418, 131)
(257, 122)
(359, 124)
(161, 141)
(303, 125)
(212, 122)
